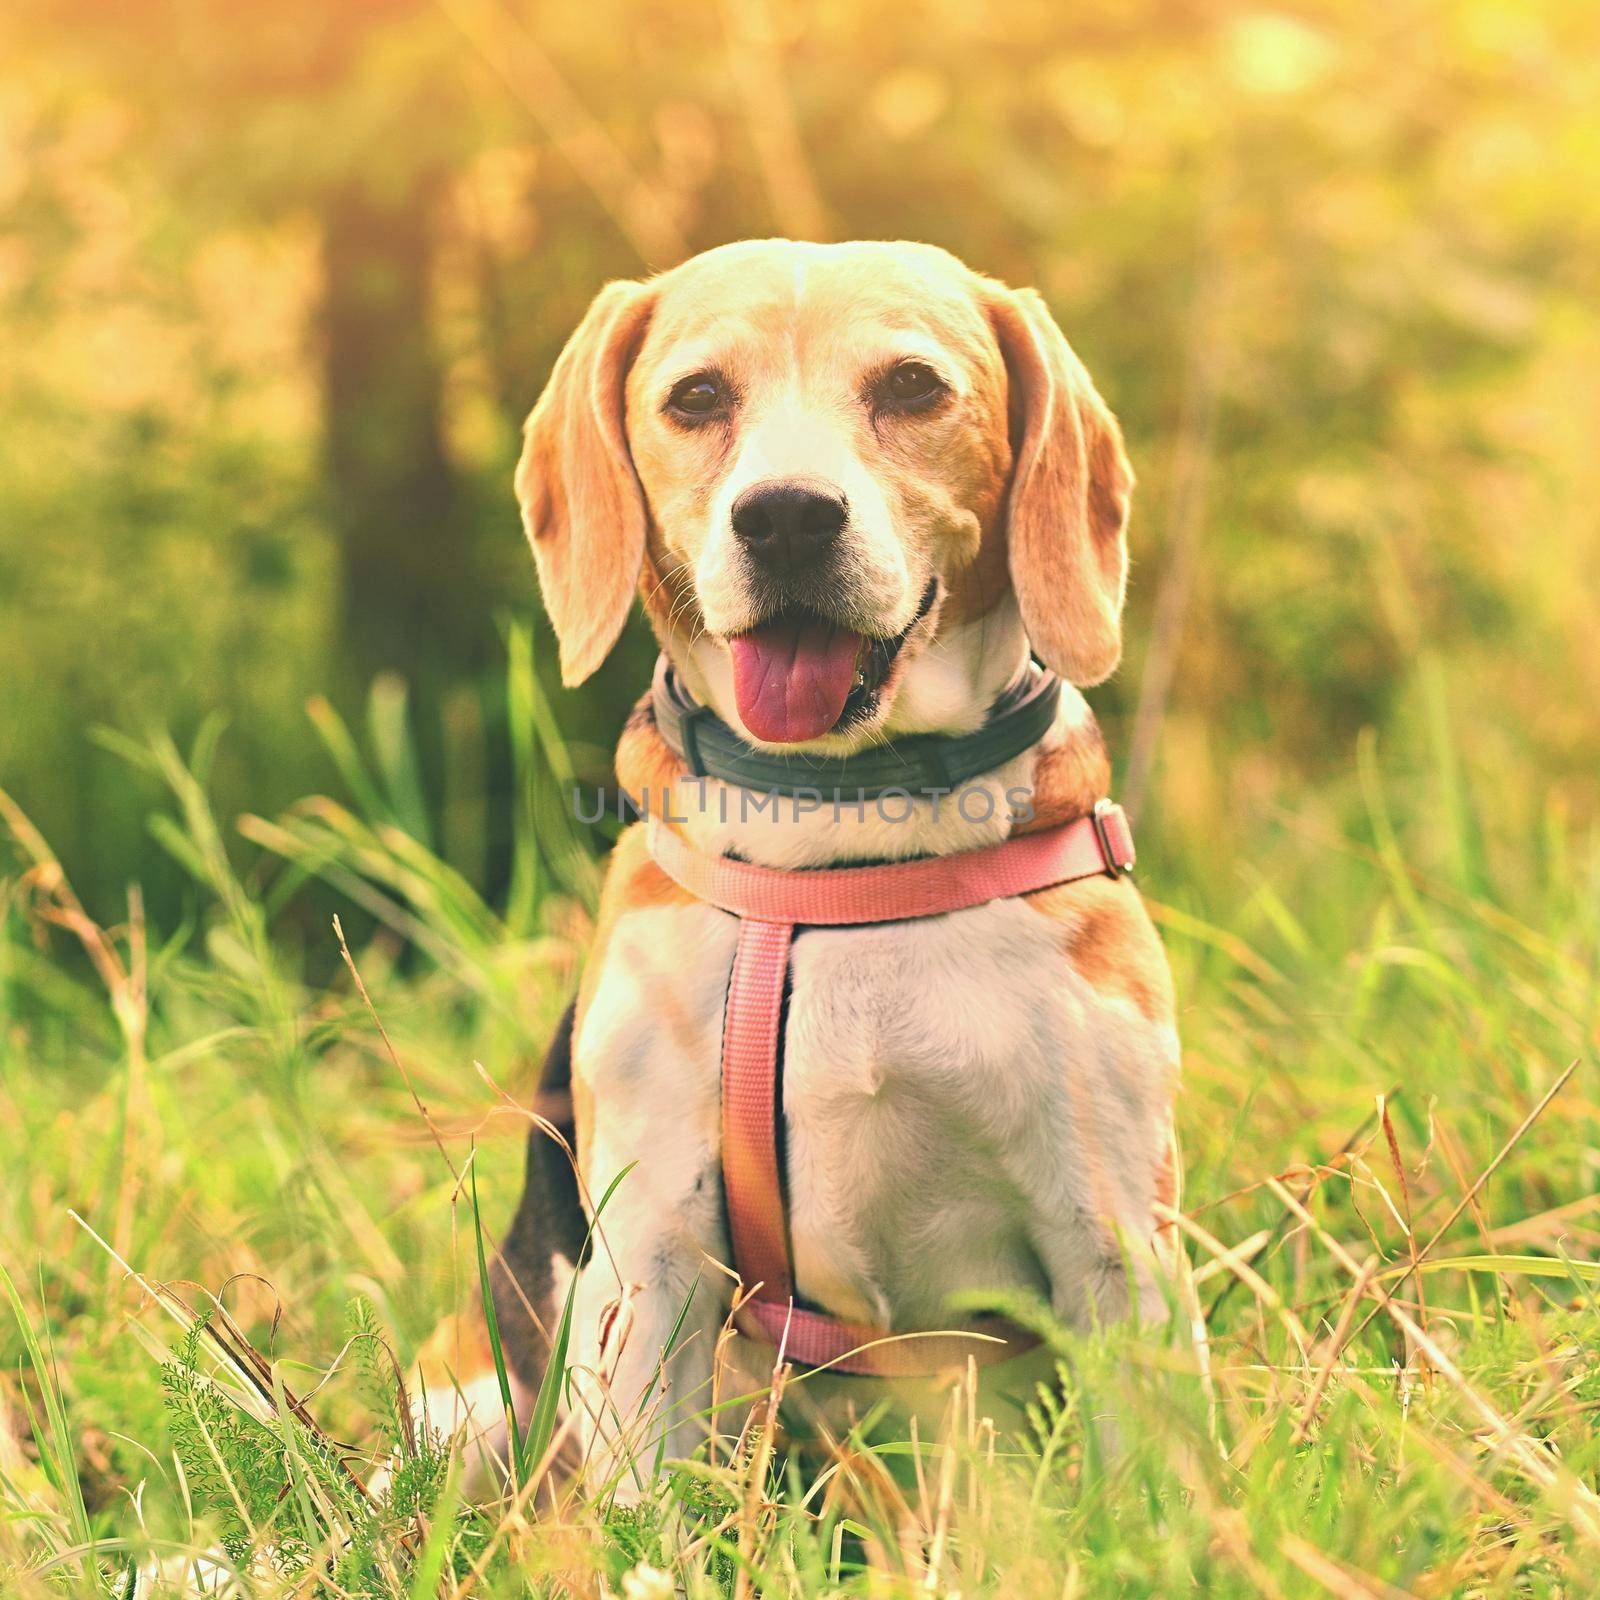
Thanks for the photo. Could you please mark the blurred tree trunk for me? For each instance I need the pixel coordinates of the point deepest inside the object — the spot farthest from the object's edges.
(411, 584)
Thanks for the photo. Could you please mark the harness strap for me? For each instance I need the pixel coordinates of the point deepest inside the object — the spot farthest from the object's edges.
(901, 891)
(770, 904)
(750, 1109)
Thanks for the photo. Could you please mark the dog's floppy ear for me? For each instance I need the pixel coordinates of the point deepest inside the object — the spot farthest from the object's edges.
(1067, 513)
(580, 496)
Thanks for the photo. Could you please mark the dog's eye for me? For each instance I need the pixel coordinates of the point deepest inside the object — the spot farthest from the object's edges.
(696, 397)
(911, 384)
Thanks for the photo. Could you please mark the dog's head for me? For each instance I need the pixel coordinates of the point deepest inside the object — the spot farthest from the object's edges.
(831, 467)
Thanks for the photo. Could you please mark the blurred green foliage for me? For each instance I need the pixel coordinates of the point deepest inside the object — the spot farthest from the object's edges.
(278, 283)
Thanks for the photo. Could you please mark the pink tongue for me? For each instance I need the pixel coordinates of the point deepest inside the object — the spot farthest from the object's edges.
(792, 678)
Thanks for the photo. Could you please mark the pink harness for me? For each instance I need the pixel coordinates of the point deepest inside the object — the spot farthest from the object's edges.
(770, 905)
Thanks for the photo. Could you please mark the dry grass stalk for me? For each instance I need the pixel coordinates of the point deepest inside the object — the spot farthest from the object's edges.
(1334, 1347)
(1576, 1500)
(1483, 1177)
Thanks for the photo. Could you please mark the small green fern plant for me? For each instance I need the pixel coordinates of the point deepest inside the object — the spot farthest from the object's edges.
(284, 1497)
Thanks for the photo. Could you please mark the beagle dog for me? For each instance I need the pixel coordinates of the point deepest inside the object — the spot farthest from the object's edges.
(858, 487)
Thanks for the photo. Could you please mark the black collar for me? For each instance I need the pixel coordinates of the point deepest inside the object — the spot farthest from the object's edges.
(920, 763)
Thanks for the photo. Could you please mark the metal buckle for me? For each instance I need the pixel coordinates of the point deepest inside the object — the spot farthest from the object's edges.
(1115, 868)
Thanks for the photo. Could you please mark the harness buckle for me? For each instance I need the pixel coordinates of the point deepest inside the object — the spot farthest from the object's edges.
(1105, 814)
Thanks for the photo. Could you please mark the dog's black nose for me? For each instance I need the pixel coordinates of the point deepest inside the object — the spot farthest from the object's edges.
(787, 523)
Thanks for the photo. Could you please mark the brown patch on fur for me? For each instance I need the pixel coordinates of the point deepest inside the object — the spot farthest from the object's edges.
(668, 595)
(974, 591)
(646, 767)
(975, 588)
(1111, 943)
(456, 1354)
(636, 883)
(1070, 778)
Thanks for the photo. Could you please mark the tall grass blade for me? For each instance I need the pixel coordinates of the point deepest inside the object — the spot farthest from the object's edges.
(519, 1461)
(57, 1455)
(389, 723)
(542, 1421)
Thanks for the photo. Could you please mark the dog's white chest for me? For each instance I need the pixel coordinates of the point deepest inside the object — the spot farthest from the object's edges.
(947, 1083)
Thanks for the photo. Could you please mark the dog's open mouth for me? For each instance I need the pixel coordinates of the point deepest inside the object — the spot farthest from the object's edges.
(799, 675)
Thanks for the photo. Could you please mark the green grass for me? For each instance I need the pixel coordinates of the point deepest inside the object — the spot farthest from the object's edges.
(1379, 985)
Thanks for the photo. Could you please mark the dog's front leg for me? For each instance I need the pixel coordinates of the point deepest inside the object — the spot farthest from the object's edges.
(1093, 1181)
(649, 1306)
